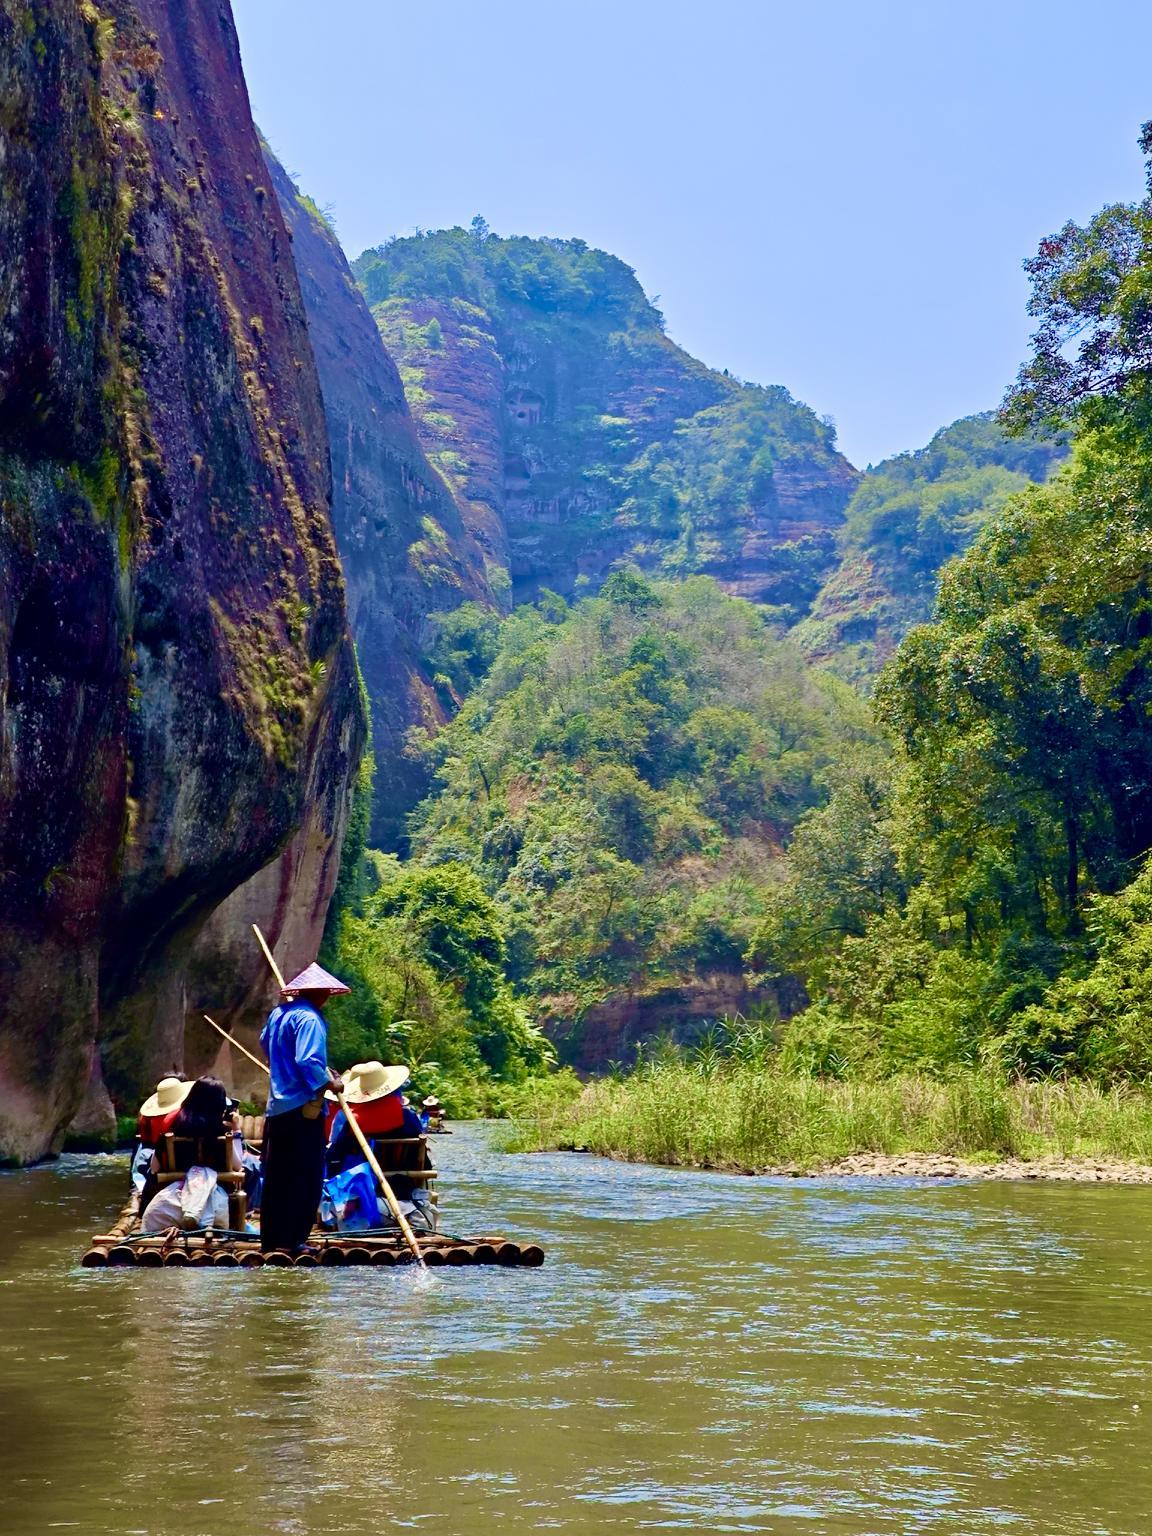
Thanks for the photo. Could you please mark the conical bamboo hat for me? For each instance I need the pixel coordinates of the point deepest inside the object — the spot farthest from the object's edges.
(314, 978)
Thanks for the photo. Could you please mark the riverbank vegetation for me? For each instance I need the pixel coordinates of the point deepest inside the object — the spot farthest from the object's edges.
(747, 1117)
(979, 894)
(424, 951)
(612, 800)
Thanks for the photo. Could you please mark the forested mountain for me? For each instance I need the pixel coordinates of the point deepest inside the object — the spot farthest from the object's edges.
(579, 436)
(908, 517)
(655, 792)
(623, 782)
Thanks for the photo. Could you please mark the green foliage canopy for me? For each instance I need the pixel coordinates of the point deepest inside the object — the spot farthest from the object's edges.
(623, 779)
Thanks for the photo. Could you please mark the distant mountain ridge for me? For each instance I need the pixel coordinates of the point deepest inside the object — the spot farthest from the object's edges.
(909, 516)
(508, 416)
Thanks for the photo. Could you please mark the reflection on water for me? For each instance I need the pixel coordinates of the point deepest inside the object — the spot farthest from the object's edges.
(699, 1353)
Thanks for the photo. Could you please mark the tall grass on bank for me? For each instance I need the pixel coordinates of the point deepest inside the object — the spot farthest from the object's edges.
(754, 1116)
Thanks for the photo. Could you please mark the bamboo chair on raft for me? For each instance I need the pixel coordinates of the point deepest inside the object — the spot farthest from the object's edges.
(405, 1157)
(402, 1157)
(176, 1154)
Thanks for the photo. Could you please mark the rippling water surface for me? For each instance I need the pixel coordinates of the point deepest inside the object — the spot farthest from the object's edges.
(699, 1353)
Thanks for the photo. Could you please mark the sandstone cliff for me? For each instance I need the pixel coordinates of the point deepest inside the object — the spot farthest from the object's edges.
(407, 551)
(179, 712)
(577, 435)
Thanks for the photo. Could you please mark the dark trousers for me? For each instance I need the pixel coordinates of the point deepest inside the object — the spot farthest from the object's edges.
(293, 1178)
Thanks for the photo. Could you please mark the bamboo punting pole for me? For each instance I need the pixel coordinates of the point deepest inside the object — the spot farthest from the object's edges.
(393, 1204)
(232, 1040)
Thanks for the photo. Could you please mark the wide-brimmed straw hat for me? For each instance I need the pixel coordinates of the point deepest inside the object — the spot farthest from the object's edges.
(170, 1094)
(431, 1102)
(346, 1078)
(370, 1080)
(314, 978)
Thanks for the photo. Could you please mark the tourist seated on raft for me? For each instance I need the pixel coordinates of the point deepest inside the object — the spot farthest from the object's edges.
(155, 1118)
(372, 1093)
(432, 1113)
(199, 1128)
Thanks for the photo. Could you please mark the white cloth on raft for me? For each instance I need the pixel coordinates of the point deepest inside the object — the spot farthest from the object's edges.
(189, 1203)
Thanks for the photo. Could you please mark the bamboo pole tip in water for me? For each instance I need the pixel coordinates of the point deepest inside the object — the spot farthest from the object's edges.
(434, 1257)
(332, 1253)
(121, 1255)
(532, 1256)
(459, 1256)
(278, 1259)
(226, 1260)
(201, 1259)
(95, 1258)
(384, 1257)
(508, 1253)
(150, 1258)
(252, 1258)
(306, 1261)
(358, 1255)
(175, 1258)
(485, 1253)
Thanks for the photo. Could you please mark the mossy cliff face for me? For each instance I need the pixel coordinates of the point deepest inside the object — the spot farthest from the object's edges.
(407, 550)
(179, 712)
(64, 606)
(577, 435)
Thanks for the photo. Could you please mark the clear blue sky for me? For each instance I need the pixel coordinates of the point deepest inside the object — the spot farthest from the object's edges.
(834, 195)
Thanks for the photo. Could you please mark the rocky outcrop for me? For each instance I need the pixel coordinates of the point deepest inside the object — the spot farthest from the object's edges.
(408, 551)
(577, 435)
(613, 1031)
(179, 712)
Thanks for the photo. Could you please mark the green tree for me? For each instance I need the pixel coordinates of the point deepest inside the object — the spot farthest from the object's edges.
(1092, 293)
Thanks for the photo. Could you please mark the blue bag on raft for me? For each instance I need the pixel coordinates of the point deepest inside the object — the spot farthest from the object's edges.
(348, 1202)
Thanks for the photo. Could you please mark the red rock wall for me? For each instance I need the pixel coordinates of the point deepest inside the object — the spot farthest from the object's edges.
(179, 687)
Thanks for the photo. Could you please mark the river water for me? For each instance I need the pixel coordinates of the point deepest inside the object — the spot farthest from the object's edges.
(699, 1353)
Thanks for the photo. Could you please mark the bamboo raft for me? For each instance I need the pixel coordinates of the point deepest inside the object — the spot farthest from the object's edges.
(226, 1250)
(125, 1246)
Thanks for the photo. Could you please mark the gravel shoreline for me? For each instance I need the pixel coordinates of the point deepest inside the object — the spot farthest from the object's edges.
(918, 1165)
(925, 1165)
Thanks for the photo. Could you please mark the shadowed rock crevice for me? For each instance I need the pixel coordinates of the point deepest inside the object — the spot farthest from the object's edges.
(409, 546)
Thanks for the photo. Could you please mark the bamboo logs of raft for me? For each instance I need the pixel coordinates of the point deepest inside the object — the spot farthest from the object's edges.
(202, 1250)
(125, 1246)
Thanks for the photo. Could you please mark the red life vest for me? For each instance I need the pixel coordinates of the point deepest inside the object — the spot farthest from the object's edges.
(150, 1128)
(376, 1118)
(379, 1116)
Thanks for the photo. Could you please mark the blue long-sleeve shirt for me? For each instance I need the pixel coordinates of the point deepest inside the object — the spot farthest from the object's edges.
(295, 1041)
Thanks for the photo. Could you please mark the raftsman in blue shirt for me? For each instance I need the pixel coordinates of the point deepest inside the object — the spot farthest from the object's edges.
(295, 1041)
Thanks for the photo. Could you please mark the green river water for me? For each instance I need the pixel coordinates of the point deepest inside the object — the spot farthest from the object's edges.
(700, 1353)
